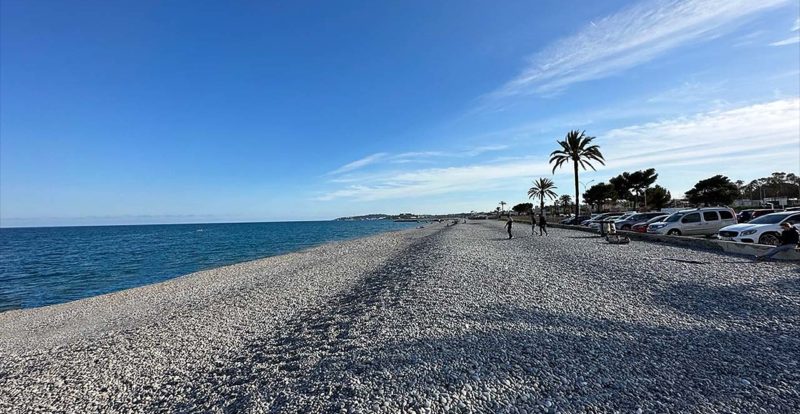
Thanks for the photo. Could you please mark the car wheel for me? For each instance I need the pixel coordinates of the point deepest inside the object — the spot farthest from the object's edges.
(674, 232)
(769, 238)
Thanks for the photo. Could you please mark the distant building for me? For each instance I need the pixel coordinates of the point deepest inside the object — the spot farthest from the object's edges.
(776, 202)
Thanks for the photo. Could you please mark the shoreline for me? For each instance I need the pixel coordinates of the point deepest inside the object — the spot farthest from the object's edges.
(445, 318)
(128, 297)
(112, 279)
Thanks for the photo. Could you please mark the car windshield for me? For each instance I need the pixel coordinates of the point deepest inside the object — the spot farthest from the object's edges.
(624, 217)
(674, 217)
(656, 219)
(769, 219)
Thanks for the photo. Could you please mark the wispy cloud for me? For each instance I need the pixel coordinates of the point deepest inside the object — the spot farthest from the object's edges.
(412, 158)
(363, 162)
(791, 40)
(718, 139)
(626, 39)
(748, 39)
(688, 92)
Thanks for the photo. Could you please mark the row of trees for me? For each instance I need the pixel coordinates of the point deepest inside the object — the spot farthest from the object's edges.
(577, 149)
(779, 184)
(637, 188)
(629, 187)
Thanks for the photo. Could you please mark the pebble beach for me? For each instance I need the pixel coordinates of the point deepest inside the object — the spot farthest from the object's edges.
(438, 319)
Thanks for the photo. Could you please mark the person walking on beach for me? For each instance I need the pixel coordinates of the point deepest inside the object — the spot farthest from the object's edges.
(788, 241)
(533, 222)
(508, 226)
(542, 224)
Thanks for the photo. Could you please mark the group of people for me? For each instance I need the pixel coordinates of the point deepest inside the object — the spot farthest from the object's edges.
(541, 222)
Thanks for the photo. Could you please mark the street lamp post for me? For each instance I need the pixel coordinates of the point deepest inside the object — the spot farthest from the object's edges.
(584, 190)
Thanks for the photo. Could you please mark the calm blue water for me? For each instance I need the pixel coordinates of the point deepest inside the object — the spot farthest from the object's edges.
(43, 266)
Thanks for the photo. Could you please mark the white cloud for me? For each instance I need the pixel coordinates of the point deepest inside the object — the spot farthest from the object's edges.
(631, 37)
(688, 92)
(751, 134)
(411, 158)
(789, 41)
(363, 162)
(792, 40)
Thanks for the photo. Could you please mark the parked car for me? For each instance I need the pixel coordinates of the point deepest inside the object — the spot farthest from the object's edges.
(574, 220)
(596, 224)
(704, 221)
(642, 227)
(746, 215)
(601, 217)
(627, 221)
(761, 230)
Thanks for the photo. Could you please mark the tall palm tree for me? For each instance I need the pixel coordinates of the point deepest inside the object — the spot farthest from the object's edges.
(576, 147)
(565, 200)
(542, 187)
(502, 204)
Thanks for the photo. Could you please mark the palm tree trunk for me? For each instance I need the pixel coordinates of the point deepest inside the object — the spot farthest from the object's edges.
(577, 200)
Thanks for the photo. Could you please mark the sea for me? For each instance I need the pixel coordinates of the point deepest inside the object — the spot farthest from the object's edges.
(48, 265)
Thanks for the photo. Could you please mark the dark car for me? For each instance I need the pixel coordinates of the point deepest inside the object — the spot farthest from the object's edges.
(626, 222)
(746, 215)
(642, 227)
(575, 220)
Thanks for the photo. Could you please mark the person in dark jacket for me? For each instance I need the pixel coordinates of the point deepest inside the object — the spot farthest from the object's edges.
(533, 223)
(789, 240)
(542, 224)
(508, 226)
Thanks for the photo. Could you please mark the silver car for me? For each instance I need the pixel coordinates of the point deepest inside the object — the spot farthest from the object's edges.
(626, 222)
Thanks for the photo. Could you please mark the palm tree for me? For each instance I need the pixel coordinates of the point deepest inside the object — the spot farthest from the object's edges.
(542, 187)
(565, 200)
(502, 204)
(576, 147)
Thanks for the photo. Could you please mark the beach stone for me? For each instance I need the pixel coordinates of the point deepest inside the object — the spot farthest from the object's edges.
(425, 320)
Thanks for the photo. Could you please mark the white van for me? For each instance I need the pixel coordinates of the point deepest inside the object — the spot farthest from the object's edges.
(704, 221)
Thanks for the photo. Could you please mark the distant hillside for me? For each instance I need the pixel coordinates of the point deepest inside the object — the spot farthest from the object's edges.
(404, 216)
(366, 217)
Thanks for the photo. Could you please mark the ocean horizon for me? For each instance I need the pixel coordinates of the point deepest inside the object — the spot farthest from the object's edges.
(42, 266)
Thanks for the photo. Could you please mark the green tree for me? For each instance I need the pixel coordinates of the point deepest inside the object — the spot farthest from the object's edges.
(502, 204)
(565, 200)
(542, 187)
(622, 186)
(639, 182)
(598, 194)
(522, 208)
(715, 190)
(794, 184)
(578, 148)
(657, 197)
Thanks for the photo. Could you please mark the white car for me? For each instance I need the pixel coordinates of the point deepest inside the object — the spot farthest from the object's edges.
(704, 221)
(761, 230)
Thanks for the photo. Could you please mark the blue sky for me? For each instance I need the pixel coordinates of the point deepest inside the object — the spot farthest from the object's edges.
(158, 112)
